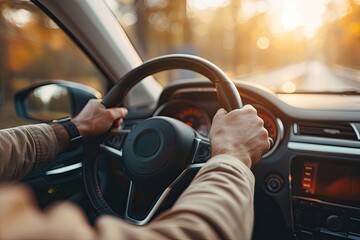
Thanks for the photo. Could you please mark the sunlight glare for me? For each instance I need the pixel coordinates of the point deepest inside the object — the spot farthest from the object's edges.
(288, 87)
(113, 4)
(261, 6)
(290, 20)
(207, 4)
(306, 16)
(263, 43)
(156, 3)
(17, 17)
(247, 10)
(129, 19)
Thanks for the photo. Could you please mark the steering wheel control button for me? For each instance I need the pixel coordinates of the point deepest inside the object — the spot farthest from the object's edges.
(116, 140)
(274, 183)
(203, 153)
(147, 144)
(334, 223)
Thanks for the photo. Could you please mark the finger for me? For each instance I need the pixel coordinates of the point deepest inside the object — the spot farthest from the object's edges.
(124, 112)
(269, 142)
(118, 113)
(246, 110)
(118, 124)
(220, 112)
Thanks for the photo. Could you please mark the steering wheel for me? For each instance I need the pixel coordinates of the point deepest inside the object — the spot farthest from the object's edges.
(160, 155)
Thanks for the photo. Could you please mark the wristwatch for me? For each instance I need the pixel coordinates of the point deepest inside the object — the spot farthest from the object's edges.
(72, 130)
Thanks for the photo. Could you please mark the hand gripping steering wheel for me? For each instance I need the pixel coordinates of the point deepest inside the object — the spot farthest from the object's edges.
(160, 155)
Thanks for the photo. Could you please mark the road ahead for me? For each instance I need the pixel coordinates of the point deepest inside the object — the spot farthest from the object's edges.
(309, 76)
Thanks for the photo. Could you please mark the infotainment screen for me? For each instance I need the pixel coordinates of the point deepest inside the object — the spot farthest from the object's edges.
(336, 181)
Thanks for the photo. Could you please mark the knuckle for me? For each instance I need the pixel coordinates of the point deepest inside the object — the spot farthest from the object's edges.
(265, 133)
(123, 111)
(110, 114)
(260, 120)
(249, 108)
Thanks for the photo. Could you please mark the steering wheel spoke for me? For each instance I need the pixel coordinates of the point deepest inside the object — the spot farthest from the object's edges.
(114, 142)
(143, 203)
(146, 202)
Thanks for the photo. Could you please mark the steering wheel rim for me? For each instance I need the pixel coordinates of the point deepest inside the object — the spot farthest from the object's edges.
(227, 96)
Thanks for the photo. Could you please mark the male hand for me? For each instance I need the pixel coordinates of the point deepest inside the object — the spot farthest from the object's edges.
(95, 119)
(239, 133)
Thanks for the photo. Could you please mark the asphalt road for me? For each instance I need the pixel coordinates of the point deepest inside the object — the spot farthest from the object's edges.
(309, 76)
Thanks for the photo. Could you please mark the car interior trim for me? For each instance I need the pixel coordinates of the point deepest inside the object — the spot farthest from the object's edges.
(356, 130)
(308, 147)
(324, 202)
(64, 169)
(111, 150)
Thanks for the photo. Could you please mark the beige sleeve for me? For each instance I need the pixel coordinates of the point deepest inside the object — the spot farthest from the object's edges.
(25, 147)
(218, 204)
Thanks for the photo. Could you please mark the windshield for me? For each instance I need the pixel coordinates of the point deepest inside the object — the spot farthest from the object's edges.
(285, 45)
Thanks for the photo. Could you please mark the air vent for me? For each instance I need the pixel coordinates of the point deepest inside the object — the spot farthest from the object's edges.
(338, 131)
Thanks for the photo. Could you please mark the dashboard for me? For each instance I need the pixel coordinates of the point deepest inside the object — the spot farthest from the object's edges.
(308, 184)
(198, 117)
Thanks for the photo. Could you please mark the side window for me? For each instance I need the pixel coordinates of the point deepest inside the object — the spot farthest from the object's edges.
(34, 49)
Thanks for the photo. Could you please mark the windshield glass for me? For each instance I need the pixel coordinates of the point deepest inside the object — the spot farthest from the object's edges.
(285, 45)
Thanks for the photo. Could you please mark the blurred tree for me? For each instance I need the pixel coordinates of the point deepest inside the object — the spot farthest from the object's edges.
(34, 49)
(3, 59)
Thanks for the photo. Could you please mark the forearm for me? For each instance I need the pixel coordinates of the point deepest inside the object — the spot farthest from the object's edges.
(217, 205)
(24, 148)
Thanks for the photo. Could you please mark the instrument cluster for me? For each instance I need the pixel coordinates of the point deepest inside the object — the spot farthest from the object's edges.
(199, 119)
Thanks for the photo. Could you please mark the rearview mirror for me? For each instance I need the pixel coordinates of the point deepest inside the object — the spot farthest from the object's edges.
(52, 100)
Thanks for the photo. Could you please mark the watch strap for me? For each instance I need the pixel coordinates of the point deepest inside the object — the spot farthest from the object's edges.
(72, 130)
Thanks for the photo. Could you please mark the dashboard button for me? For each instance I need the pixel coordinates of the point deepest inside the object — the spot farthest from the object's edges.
(334, 223)
(274, 183)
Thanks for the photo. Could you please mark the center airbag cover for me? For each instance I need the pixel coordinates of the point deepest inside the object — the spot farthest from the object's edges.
(155, 145)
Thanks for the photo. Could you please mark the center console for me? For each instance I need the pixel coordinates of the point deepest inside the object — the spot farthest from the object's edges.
(325, 198)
